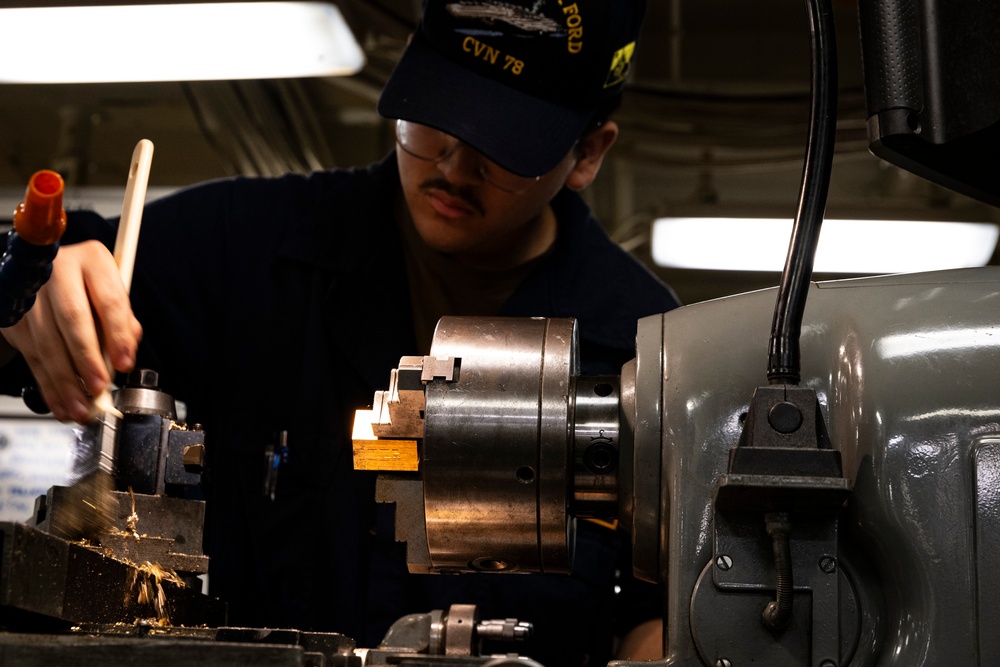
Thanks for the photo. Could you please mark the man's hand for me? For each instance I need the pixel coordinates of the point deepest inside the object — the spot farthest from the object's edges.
(83, 305)
(643, 642)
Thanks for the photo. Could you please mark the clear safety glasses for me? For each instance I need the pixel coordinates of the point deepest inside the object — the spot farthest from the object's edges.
(426, 143)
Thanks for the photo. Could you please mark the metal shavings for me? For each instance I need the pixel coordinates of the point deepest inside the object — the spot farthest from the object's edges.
(133, 519)
(159, 622)
(131, 523)
(146, 584)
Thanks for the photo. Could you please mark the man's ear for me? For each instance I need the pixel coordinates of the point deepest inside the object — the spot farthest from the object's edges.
(590, 154)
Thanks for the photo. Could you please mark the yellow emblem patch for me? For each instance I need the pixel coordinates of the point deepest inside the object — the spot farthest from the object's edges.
(621, 62)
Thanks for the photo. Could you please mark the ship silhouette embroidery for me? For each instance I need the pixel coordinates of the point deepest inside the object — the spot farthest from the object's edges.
(503, 12)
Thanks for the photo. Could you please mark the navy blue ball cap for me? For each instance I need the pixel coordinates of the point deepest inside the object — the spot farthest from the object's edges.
(518, 81)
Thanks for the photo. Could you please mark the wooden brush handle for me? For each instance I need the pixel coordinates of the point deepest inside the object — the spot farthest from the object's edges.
(127, 241)
(135, 198)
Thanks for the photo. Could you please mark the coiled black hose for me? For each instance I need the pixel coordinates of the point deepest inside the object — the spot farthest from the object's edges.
(23, 270)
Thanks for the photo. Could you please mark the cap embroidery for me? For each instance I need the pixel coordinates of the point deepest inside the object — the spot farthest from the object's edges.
(525, 67)
(621, 63)
(574, 28)
(491, 55)
(491, 12)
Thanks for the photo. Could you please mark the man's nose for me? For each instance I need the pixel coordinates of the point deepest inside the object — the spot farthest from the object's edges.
(462, 165)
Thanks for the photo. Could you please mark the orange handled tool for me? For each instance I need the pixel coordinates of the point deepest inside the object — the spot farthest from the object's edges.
(40, 219)
(39, 223)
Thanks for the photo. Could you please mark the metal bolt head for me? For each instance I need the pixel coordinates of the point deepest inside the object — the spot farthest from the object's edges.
(828, 564)
(784, 417)
(145, 378)
(724, 562)
(723, 662)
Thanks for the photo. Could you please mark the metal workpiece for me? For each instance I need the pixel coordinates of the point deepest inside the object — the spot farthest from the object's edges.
(507, 420)
(399, 411)
(385, 437)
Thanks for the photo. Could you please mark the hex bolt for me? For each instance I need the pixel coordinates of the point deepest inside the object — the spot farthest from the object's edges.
(145, 378)
(828, 564)
(600, 458)
(723, 562)
(723, 662)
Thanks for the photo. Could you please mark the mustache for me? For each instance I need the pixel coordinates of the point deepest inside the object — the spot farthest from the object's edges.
(465, 194)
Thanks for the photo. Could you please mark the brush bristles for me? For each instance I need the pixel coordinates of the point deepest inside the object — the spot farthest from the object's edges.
(104, 403)
(90, 507)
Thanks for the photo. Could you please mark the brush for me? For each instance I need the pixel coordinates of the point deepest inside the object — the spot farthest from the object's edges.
(92, 506)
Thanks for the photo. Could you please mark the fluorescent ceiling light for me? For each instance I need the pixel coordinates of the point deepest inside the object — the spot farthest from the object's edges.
(183, 42)
(845, 246)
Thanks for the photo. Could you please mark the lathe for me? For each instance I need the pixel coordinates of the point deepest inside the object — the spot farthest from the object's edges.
(837, 505)
(889, 512)
(880, 469)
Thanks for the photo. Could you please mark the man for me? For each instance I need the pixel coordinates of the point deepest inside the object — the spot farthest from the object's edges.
(275, 307)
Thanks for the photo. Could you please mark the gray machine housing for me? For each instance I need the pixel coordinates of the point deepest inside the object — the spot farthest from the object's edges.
(895, 570)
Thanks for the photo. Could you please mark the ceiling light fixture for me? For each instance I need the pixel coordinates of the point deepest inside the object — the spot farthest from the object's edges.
(845, 246)
(182, 42)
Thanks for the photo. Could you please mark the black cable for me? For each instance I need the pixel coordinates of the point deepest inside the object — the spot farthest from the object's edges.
(783, 349)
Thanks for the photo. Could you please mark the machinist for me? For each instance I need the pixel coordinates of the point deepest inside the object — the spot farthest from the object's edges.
(275, 307)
